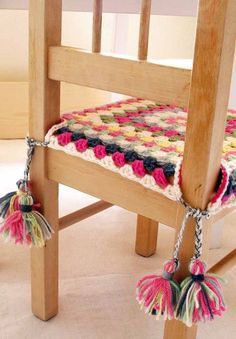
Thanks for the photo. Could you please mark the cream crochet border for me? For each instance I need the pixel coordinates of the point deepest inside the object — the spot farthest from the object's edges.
(172, 192)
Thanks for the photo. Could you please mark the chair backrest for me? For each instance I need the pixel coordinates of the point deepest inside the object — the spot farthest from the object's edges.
(207, 97)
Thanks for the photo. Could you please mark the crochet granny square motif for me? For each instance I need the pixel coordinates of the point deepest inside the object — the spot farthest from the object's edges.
(139, 139)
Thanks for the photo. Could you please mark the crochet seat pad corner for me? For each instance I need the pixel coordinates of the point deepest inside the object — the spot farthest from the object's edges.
(139, 139)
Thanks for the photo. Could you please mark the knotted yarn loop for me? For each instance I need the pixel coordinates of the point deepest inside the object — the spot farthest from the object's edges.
(195, 212)
(197, 277)
(32, 142)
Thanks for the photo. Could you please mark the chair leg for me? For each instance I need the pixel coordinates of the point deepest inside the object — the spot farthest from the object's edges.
(180, 330)
(44, 264)
(177, 330)
(146, 236)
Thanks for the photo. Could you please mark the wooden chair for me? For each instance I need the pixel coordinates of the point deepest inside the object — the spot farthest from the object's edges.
(205, 91)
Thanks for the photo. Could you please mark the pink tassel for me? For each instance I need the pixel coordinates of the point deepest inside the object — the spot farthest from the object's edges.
(26, 225)
(13, 228)
(201, 296)
(158, 294)
(20, 220)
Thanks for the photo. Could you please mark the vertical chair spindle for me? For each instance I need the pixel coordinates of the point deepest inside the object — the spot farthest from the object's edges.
(147, 229)
(144, 29)
(97, 26)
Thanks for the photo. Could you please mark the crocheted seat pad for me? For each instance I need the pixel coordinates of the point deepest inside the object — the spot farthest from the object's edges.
(137, 138)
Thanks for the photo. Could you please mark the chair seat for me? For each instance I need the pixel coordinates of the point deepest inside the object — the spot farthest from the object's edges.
(139, 139)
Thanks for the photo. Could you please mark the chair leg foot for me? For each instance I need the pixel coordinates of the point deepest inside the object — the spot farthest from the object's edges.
(44, 280)
(177, 330)
(146, 236)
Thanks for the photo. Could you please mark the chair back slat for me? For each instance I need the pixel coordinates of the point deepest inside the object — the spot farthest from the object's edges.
(125, 76)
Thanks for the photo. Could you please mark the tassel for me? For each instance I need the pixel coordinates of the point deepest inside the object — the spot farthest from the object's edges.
(8, 204)
(26, 226)
(158, 294)
(21, 222)
(201, 295)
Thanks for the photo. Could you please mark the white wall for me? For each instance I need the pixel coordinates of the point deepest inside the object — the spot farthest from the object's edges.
(76, 31)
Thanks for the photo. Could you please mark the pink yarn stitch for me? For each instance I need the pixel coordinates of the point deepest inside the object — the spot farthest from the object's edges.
(229, 129)
(64, 138)
(155, 129)
(134, 138)
(122, 120)
(115, 133)
(89, 110)
(170, 133)
(140, 124)
(81, 145)
(223, 184)
(100, 151)
(160, 178)
(138, 168)
(100, 128)
(68, 116)
(169, 149)
(119, 159)
(149, 143)
(14, 225)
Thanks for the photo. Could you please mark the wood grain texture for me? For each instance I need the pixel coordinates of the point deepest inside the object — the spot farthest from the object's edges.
(131, 77)
(114, 188)
(213, 61)
(209, 93)
(211, 77)
(106, 185)
(146, 236)
(225, 264)
(179, 329)
(144, 29)
(97, 26)
(83, 213)
(44, 94)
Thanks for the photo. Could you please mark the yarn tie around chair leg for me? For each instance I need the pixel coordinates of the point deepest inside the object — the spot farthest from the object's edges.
(21, 222)
(198, 298)
(201, 296)
(159, 294)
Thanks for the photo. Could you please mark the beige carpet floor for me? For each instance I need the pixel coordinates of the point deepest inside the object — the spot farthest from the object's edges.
(98, 272)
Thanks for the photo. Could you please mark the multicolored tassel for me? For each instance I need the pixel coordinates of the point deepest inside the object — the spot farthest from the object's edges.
(158, 294)
(21, 222)
(198, 298)
(201, 297)
(26, 226)
(8, 203)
